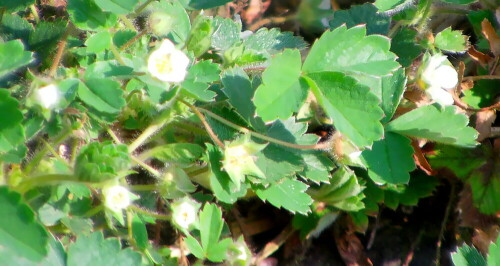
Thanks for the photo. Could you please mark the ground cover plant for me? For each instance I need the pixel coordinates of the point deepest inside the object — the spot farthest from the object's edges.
(143, 132)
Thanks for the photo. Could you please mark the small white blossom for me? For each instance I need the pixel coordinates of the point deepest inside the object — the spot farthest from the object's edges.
(185, 213)
(48, 97)
(437, 78)
(116, 198)
(238, 253)
(168, 63)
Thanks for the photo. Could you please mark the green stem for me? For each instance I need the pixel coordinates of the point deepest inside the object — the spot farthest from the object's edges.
(27, 184)
(94, 211)
(245, 130)
(146, 167)
(127, 22)
(141, 8)
(113, 135)
(150, 131)
(148, 187)
(158, 216)
(117, 55)
(35, 13)
(35, 162)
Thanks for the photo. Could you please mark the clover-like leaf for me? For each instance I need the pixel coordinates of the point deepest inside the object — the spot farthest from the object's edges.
(288, 194)
(13, 56)
(451, 40)
(282, 91)
(390, 160)
(351, 51)
(376, 23)
(352, 107)
(442, 126)
(94, 250)
(20, 233)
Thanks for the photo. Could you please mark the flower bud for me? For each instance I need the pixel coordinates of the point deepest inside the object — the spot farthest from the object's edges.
(48, 97)
(160, 23)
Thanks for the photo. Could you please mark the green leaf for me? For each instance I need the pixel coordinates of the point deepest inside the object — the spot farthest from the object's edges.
(200, 37)
(101, 161)
(405, 46)
(105, 69)
(462, 161)
(46, 36)
(351, 51)
(468, 256)
(198, 79)
(224, 189)
(352, 107)
(460, 2)
(14, 27)
(86, 15)
(178, 153)
(118, 7)
(442, 126)
(194, 246)
(238, 88)
(485, 184)
(94, 250)
(139, 232)
(210, 225)
(385, 5)
(282, 91)
(273, 41)
(16, 5)
(103, 95)
(20, 233)
(376, 23)
(204, 4)
(451, 40)
(98, 42)
(393, 88)
(170, 20)
(420, 186)
(10, 116)
(226, 33)
(317, 166)
(288, 194)
(13, 56)
(483, 94)
(390, 160)
(494, 253)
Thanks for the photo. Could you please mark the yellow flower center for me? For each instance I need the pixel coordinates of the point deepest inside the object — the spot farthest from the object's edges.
(164, 64)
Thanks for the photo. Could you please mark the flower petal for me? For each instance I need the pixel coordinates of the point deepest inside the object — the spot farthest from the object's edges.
(439, 95)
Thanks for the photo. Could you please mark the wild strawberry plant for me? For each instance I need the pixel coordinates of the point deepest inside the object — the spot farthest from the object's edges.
(119, 115)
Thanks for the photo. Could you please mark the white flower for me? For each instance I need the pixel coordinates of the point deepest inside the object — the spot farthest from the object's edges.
(116, 198)
(238, 253)
(185, 212)
(167, 63)
(48, 97)
(437, 78)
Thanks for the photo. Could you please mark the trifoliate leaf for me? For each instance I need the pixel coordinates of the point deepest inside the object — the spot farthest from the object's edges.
(198, 79)
(117, 7)
(468, 256)
(376, 23)
(226, 33)
(20, 233)
(86, 15)
(13, 56)
(288, 194)
(343, 192)
(460, 160)
(94, 250)
(282, 91)
(392, 87)
(390, 160)
(351, 51)
(385, 5)
(442, 126)
(352, 107)
(272, 41)
(405, 46)
(451, 41)
(103, 95)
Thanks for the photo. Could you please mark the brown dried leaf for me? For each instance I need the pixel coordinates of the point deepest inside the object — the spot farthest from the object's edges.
(491, 35)
(479, 57)
(420, 159)
(255, 10)
(349, 246)
(484, 120)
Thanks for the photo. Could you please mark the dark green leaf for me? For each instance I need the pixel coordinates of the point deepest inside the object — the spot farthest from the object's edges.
(460, 160)
(139, 232)
(16, 5)
(239, 90)
(86, 15)
(405, 46)
(376, 23)
(485, 184)
(483, 94)
(179, 153)
(100, 161)
(14, 27)
(10, 116)
(205, 4)
(103, 95)
(46, 35)
(198, 79)
(105, 69)
(460, 2)
(468, 256)
(273, 41)
(393, 88)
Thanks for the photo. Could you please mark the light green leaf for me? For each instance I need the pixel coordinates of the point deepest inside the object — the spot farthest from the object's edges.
(170, 20)
(376, 23)
(226, 33)
(494, 253)
(390, 160)
(468, 256)
(139, 232)
(105, 69)
(288, 194)
(13, 56)
(198, 79)
(98, 42)
(351, 51)
(210, 225)
(178, 153)
(282, 91)
(86, 15)
(273, 41)
(94, 250)
(118, 7)
(442, 126)
(200, 37)
(385, 5)
(20, 233)
(103, 95)
(238, 88)
(352, 107)
(393, 88)
(483, 94)
(194, 246)
(405, 46)
(451, 40)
